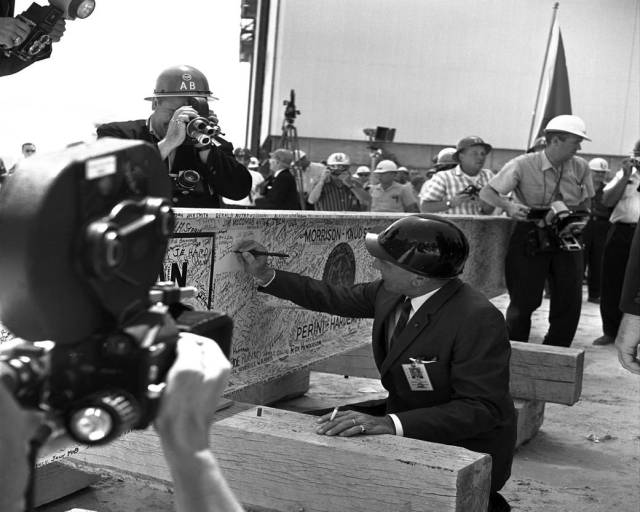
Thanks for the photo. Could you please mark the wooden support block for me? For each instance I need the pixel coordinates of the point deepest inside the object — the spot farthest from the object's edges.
(530, 417)
(356, 362)
(538, 372)
(276, 461)
(56, 480)
(291, 385)
(543, 372)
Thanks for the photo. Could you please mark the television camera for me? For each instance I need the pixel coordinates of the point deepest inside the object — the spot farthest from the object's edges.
(42, 20)
(84, 232)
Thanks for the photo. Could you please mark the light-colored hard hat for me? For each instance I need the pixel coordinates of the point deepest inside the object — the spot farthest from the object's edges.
(567, 124)
(338, 159)
(385, 166)
(254, 163)
(363, 170)
(402, 168)
(598, 164)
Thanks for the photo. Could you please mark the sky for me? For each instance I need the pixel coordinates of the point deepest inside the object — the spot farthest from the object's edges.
(106, 64)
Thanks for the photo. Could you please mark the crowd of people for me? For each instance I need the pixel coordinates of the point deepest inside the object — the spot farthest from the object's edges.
(436, 372)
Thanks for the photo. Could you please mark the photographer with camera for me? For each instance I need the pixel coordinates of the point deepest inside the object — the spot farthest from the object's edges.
(13, 32)
(201, 164)
(622, 194)
(195, 383)
(553, 176)
(336, 190)
(455, 191)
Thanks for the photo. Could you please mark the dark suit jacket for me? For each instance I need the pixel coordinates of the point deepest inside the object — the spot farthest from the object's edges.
(221, 175)
(280, 193)
(470, 405)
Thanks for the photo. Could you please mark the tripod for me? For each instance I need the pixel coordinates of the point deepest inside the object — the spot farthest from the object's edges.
(289, 140)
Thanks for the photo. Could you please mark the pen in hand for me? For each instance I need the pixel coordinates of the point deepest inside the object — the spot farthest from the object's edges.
(255, 252)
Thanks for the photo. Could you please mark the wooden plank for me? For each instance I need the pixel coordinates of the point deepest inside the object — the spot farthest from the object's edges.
(543, 372)
(530, 417)
(277, 461)
(538, 372)
(283, 387)
(56, 480)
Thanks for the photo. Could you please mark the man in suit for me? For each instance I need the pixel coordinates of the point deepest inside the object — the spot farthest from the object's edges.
(279, 191)
(441, 347)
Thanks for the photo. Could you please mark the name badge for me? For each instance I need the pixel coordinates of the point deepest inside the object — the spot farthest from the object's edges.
(417, 376)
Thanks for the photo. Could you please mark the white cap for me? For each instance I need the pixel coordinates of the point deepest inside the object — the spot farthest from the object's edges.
(362, 170)
(598, 165)
(385, 166)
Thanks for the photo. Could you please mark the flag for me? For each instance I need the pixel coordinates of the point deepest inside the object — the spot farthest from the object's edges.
(553, 97)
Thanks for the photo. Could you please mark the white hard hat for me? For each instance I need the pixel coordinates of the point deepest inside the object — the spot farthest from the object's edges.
(402, 168)
(362, 170)
(598, 164)
(299, 154)
(385, 166)
(254, 163)
(568, 124)
(338, 159)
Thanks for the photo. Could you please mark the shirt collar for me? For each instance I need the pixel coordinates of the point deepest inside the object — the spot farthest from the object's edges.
(546, 163)
(417, 302)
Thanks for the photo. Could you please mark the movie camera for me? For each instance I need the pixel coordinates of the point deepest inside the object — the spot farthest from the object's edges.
(558, 228)
(290, 111)
(42, 20)
(203, 128)
(84, 233)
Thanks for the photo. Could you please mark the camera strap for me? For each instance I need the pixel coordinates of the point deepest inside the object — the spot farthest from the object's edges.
(555, 189)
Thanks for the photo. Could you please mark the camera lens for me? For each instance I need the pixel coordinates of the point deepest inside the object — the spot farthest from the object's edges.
(188, 179)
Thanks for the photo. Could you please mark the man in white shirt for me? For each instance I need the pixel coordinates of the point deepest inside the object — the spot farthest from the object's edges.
(623, 194)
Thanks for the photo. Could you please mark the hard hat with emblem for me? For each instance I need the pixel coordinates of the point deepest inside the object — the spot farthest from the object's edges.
(468, 142)
(181, 80)
(567, 124)
(338, 159)
(424, 244)
(598, 165)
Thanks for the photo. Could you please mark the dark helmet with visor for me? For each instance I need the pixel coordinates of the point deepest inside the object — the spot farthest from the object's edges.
(424, 244)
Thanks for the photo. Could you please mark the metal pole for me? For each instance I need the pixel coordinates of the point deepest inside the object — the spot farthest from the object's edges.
(544, 65)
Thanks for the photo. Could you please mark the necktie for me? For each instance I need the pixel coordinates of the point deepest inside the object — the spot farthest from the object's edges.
(403, 318)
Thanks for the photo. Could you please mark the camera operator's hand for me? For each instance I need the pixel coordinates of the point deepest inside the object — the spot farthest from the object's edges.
(254, 265)
(176, 130)
(195, 384)
(628, 164)
(13, 31)
(517, 211)
(58, 30)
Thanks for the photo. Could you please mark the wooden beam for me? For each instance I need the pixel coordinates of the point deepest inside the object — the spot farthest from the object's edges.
(56, 480)
(547, 373)
(530, 417)
(276, 461)
(538, 372)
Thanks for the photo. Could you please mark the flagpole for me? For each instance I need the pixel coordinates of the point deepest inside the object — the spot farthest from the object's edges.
(544, 66)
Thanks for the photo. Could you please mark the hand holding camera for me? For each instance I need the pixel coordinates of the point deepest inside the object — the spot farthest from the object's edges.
(12, 32)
